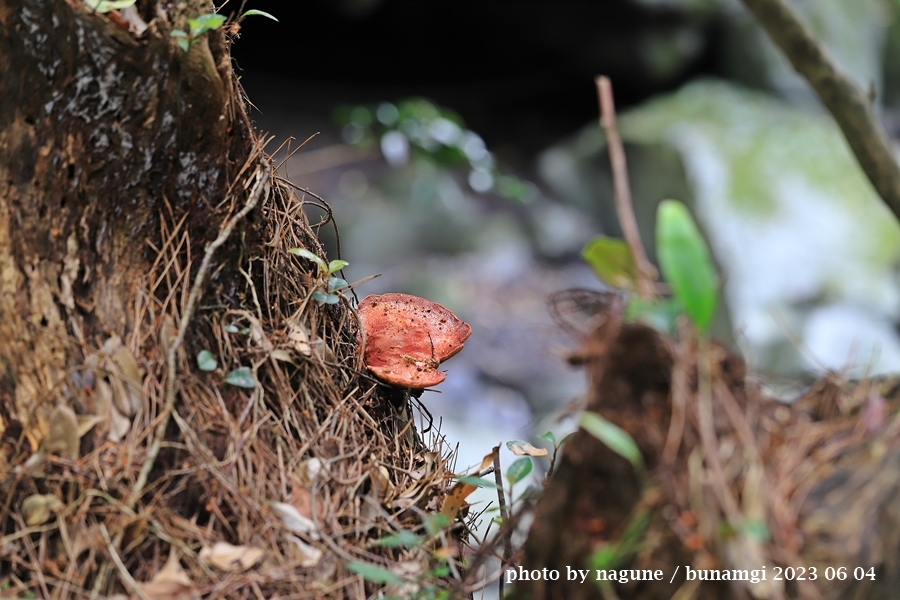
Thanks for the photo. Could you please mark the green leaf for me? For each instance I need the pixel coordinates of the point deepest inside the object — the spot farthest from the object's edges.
(685, 261)
(476, 481)
(241, 377)
(206, 361)
(757, 530)
(205, 23)
(549, 437)
(182, 37)
(231, 329)
(303, 252)
(439, 573)
(519, 470)
(336, 283)
(659, 314)
(615, 438)
(606, 557)
(612, 262)
(401, 539)
(336, 265)
(104, 6)
(323, 298)
(435, 523)
(253, 11)
(373, 573)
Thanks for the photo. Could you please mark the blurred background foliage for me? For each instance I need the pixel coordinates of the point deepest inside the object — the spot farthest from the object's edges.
(460, 152)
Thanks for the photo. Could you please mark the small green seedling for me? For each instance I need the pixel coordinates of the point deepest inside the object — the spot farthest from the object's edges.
(206, 361)
(201, 24)
(334, 284)
(686, 263)
(241, 377)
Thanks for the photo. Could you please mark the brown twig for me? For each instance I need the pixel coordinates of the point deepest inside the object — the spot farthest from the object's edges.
(505, 531)
(262, 181)
(646, 272)
(849, 106)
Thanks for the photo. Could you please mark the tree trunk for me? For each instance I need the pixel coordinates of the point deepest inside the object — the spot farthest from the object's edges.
(101, 133)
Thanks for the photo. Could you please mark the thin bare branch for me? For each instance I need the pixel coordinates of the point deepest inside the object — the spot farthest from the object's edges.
(646, 272)
(850, 107)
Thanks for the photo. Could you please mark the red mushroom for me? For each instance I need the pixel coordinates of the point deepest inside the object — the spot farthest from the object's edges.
(407, 337)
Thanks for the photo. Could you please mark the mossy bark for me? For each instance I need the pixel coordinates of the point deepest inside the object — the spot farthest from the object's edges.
(101, 132)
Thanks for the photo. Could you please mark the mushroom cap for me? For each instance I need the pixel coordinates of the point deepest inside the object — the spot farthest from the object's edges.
(407, 337)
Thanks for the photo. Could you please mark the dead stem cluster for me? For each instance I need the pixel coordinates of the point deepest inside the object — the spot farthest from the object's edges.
(161, 480)
(734, 479)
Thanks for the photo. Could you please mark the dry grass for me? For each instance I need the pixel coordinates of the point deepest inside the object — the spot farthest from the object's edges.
(303, 472)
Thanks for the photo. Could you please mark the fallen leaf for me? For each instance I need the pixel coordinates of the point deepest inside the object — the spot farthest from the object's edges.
(308, 556)
(521, 448)
(87, 422)
(294, 521)
(132, 381)
(282, 355)
(227, 557)
(382, 486)
(456, 499)
(119, 425)
(62, 438)
(301, 499)
(299, 339)
(38, 508)
(309, 470)
(170, 583)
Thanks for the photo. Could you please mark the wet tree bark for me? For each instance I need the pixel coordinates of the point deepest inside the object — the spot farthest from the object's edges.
(101, 132)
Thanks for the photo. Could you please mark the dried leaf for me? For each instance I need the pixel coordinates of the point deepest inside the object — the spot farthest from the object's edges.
(382, 486)
(171, 582)
(226, 557)
(298, 337)
(282, 355)
(119, 425)
(62, 439)
(487, 461)
(132, 379)
(87, 422)
(456, 499)
(294, 521)
(167, 335)
(308, 556)
(309, 470)
(38, 508)
(521, 448)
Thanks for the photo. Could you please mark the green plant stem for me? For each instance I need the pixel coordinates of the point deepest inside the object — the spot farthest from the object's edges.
(849, 106)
